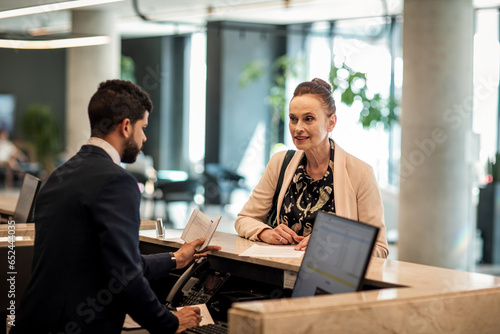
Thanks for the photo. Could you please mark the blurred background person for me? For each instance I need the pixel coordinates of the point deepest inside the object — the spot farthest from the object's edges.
(10, 156)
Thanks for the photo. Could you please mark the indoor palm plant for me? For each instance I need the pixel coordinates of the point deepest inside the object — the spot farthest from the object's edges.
(40, 129)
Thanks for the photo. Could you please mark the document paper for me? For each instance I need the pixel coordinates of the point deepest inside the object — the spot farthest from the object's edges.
(200, 226)
(206, 318)
(272, 251)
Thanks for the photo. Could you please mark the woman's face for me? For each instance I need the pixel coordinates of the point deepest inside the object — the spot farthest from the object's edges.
(309, 122)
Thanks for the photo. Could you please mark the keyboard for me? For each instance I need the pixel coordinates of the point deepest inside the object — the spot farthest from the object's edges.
(217, 328)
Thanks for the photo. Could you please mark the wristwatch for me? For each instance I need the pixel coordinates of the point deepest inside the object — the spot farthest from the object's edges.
(173, 260)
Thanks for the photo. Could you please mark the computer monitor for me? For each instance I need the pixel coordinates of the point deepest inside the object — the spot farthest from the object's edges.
(337, 256)
(26, 201)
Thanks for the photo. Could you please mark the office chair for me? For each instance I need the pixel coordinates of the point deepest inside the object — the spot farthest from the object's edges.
(220, 183)
(180, 191)
(26, 201)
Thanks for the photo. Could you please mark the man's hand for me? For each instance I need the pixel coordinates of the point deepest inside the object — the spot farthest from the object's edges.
(188, 316)
(187, 252)
(281, 235)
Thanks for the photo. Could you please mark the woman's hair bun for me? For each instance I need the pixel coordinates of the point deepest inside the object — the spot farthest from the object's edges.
(323, 83)
(319, 88)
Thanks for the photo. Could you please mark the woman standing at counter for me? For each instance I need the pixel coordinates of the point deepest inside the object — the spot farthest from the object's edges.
(320, 176)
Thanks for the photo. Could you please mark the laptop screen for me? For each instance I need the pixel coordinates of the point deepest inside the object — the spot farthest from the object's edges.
(336, 257)
(26, 201)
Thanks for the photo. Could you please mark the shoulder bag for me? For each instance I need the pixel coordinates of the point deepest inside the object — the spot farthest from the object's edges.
(271, 216)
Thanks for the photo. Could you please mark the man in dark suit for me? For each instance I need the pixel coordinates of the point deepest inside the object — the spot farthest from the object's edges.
(87, 269)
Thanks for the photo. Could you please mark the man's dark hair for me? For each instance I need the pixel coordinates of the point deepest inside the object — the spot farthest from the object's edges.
(114, 101)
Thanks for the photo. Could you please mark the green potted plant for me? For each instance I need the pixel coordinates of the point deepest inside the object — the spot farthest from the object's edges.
(40, 128)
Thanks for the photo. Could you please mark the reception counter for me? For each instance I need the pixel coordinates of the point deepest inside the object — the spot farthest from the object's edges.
(7, 205)
(402, 298)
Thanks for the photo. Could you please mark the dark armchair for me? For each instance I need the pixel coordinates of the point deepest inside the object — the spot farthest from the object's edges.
(189, 191)
(220, 182)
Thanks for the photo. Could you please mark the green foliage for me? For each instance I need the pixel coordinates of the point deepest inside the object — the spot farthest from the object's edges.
(283, 68)
(353, 87)
(40, 128)
(127, 68)
(251, 72)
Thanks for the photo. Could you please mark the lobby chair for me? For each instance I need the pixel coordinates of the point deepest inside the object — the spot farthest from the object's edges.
(187, 191)
(220, 183)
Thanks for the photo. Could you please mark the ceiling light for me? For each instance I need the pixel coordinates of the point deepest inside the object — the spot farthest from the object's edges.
(69, 42)
(52, 7)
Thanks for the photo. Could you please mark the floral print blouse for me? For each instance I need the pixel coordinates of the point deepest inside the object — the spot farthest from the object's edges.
(306, 196)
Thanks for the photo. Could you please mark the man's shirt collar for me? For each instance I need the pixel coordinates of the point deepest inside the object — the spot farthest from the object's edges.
(107, 147)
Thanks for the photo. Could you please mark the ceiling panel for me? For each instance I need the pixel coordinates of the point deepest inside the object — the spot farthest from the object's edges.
(198, 12)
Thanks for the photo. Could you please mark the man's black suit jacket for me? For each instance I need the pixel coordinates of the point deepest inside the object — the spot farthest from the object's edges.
(87, 269)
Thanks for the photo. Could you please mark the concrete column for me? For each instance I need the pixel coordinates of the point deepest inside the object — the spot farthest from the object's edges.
(86, 68)
(436, 122)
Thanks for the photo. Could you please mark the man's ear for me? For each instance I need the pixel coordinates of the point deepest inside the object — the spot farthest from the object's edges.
(125, 128)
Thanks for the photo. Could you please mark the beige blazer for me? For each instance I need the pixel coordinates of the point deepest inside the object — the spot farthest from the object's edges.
(356, 192)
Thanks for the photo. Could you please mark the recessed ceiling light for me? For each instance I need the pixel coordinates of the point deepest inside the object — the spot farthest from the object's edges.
(69, 42)
(51, 7)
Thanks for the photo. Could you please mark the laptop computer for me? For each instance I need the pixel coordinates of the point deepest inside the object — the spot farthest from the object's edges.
(337, 256)
(26, 202)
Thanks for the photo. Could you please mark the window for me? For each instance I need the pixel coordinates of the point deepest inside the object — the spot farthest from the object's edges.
(364, 45)
(197, 80)
(486, 69)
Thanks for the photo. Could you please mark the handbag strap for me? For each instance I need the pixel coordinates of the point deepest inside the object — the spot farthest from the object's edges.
(288, 157)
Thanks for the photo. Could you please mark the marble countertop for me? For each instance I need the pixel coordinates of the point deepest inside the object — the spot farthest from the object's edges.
(410, 280)
(231, 244)
(415, 280)
(415, 298)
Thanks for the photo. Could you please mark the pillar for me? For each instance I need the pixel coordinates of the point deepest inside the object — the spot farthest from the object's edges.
(436, 123)
(86, 68)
